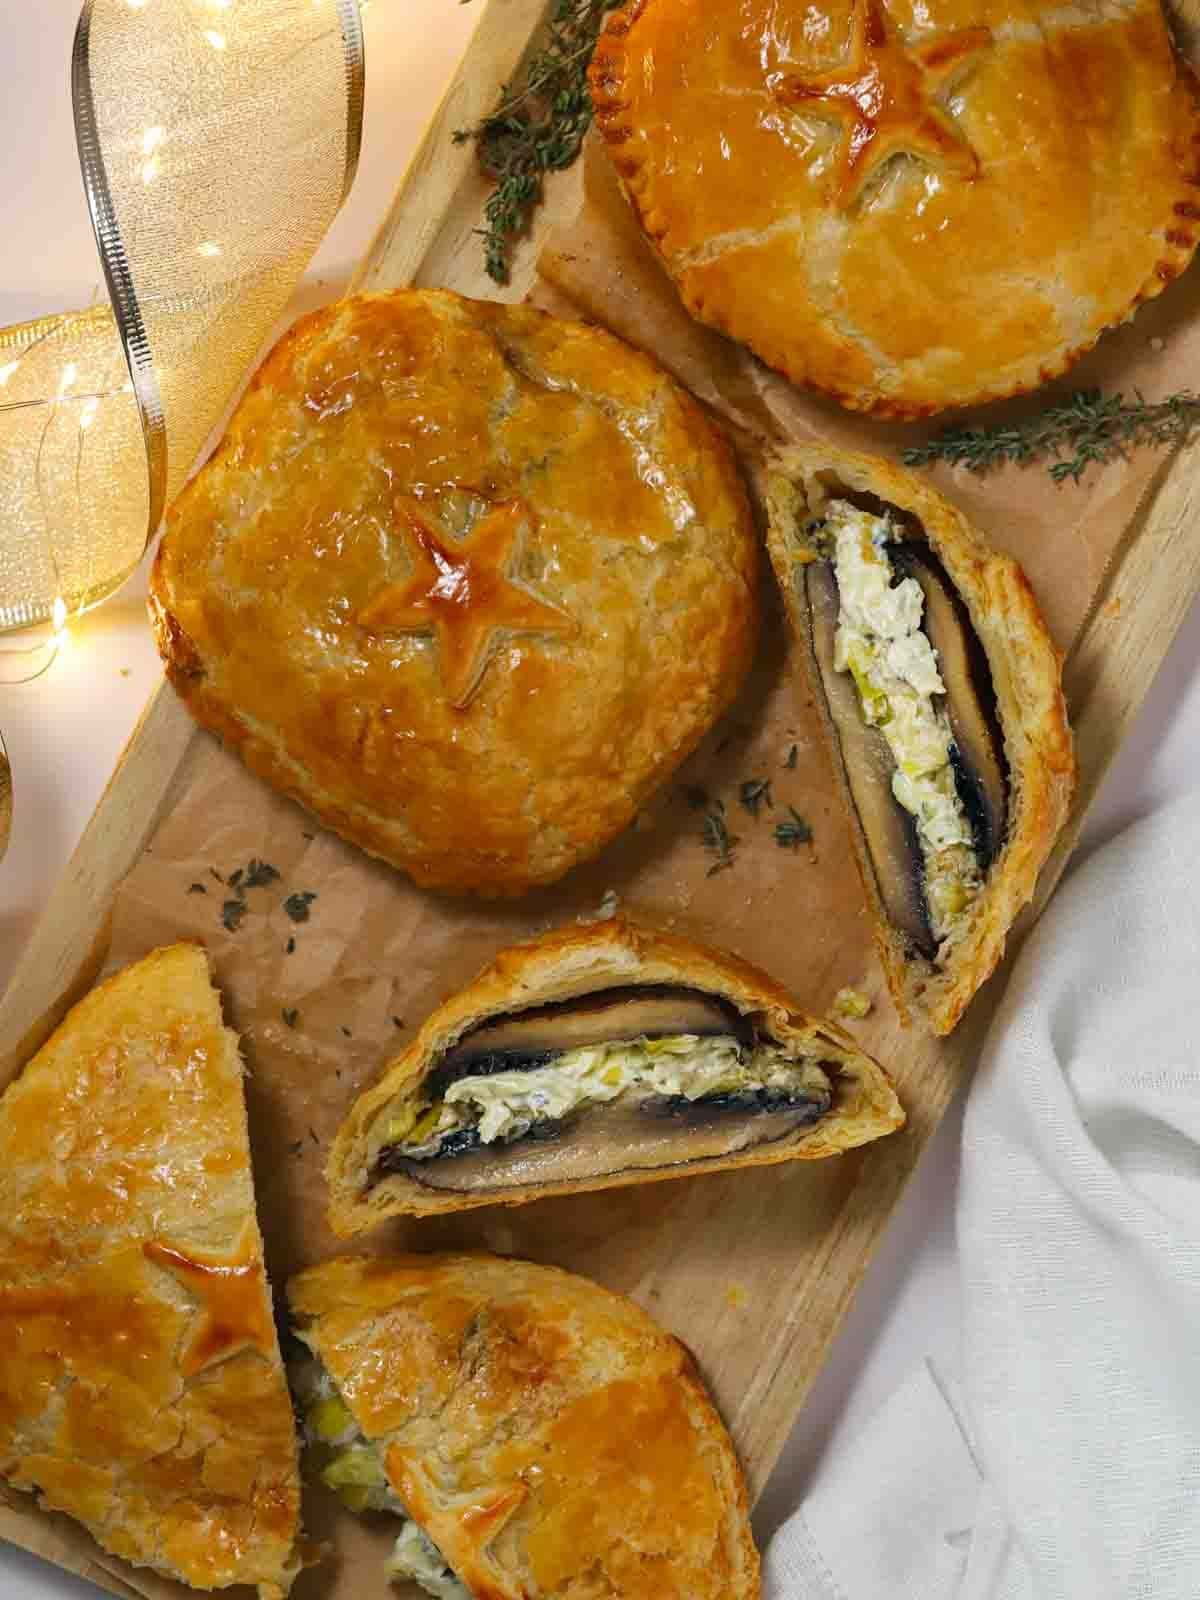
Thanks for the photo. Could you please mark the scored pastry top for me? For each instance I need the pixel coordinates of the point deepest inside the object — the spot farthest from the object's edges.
(544, 1432)
(911, 205)
(142, 1389)
(466, 580)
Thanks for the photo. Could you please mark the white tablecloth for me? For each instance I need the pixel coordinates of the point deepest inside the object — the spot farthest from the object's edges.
(65, 732)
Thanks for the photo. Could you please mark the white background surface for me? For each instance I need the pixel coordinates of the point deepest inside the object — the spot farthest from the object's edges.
(66, 731)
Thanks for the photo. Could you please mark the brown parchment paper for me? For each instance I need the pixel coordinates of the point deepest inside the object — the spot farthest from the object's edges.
(752, 1270)
(321, 1004)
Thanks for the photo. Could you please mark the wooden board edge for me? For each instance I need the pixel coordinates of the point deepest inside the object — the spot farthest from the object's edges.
(1108, 673)
(69, 942)
(1140, 609)
(440, 167)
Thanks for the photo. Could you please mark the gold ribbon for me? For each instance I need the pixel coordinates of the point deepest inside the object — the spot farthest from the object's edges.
(217, 141)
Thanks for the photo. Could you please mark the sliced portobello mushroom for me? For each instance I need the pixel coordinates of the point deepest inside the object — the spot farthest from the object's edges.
(532, 1038)
(1013, 755)
(980, 767)
(603, 983)
(641, 1126)
(867, 765)
(623, 1137)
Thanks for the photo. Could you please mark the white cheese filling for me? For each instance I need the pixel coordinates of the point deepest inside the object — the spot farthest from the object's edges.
(880, 642)
(506, 1105)
(415, 1556)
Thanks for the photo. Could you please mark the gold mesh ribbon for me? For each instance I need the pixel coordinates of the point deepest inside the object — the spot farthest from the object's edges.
(217, 140)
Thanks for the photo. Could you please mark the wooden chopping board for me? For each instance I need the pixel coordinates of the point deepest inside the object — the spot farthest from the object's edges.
(754, 1271)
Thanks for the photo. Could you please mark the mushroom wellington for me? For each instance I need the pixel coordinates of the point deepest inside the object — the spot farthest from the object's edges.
(595, 1056)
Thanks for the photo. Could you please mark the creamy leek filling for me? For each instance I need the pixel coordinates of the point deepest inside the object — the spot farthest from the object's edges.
(503, 1106)
(354, 1471)
(880, 642)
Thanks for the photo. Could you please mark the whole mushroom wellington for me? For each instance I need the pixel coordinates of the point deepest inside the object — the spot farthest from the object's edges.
(909, 206)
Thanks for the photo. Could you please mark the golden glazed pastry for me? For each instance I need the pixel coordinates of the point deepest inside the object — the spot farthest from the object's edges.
(941, 694)
(466, 580)
(906, 206)
(141, 1388)
(543, 1434)
(595, 1056)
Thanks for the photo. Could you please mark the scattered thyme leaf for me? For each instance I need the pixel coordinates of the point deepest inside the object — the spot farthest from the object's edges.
(346, 1031)
(259, 873)
(289, 946)
(792, 754)
(793, 831)
(296, 905)
(234, 880)
(313, 1137)
(216, 874)
(1088, 427)
(290, 1015)
(296, 1147)
(398, 1022)
(536, 127)
(717, 838)
(755, 793)
(196, 888)
(305, 835)
(232, 912)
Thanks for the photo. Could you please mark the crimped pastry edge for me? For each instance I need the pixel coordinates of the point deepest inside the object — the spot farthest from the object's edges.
(585, 959)
(1026, 669)
(606, 77)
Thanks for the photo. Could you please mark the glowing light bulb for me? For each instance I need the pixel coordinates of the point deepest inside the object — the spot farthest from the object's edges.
(69, 373)
(150, 170)
(7, 370)
(151, 140)
(217, 40)
(88, 414)
(208, 248)
(58, 616)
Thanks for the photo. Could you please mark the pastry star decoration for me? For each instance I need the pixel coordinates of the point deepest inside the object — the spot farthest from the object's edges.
(462, 591)
(230, 1287)
(884, 94)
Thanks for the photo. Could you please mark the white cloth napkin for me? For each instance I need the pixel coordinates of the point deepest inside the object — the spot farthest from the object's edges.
(1064, 1462)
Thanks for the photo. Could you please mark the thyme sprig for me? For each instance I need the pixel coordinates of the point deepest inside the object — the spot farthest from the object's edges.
(537, 126)
(1089, 426)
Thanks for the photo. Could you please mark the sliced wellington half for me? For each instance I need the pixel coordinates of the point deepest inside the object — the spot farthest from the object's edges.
(538, 1435)
(595, 1056)
(141, 1388)
(941, 695)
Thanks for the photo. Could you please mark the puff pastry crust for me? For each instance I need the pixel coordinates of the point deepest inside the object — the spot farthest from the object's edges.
(587, 960)
(549, 1437)
(141, 1388)
(1026, 674)
(466, 580)
(906, 206)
